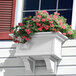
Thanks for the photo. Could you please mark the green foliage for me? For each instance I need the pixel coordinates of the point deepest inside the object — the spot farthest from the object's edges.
(41, 22)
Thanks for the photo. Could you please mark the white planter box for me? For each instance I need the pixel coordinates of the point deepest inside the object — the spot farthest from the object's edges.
(43, 46)
(42, 43)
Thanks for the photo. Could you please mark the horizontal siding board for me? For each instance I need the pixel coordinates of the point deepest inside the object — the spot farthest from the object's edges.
(6, 44)
(70, 51)
(13, 71)
(67, 61)
(66, 70)
(7, 52)
(12, 62)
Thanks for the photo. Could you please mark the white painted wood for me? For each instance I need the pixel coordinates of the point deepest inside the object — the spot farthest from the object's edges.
(6, 62)
(74, 15)
(29, 69)
(6, 44)
(39, 71)
(50, 65)
(15, 67)
(70, 42)
(66, 70)
(13, 71)
(18, 14)
(7, 52)
(42, 71)
(71, 51)
(42, 43)
(68, 61)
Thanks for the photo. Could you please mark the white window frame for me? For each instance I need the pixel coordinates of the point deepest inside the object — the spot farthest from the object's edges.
(74, 15)
(18, 13)
(19, 9)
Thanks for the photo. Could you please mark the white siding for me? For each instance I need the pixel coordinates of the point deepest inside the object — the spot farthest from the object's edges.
(13, 66)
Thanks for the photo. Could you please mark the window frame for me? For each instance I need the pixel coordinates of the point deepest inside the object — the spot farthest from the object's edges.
(19, 12)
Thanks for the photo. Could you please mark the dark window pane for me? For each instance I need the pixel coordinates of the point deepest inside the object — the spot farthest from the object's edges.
(48, 4)
(31, 4)
(51, 12)
(65, 4)
(67, 15)
(26, 14)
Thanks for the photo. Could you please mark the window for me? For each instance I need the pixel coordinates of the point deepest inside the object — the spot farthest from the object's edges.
(7, 14)
(61, 6)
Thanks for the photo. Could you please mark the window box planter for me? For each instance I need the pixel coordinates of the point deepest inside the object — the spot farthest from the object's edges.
(42, 43)
(42, 46)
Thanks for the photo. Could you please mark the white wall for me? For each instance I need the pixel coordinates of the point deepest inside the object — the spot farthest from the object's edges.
(13, 66)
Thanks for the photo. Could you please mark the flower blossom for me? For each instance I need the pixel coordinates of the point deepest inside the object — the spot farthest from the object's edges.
(48, 18)
(43, 20)
(40, 29)
(60, 22)
(46, 27)
(20, 24)
(28, 31)
(26, 39)
(39, 16)
(51, 25)
(56, 30)
(63, 27)
(22, 37)
(64, 33)
(17, 41)
(70, 32)
(50, 21)
(38, 24)
(37, 20)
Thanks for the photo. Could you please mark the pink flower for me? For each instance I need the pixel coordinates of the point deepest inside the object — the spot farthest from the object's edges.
(17, 41)
(40, 29)
(39, 16)
(54, 17)
(46, 27)
(45, 12)
(43, 20)
(58, 13)
(27, 26)
(64, 33)
(22, 37)
(20, 24)
(70, 25)
(50, 21)
(63, 27)
(26, 39)
(37, 20)
(38, 24)
(55, 13)
(48, 18)
(51, 25)
(22, 27)
(60, 22)
(70, 32)
(30, 24)
(32, 18)
(28, 31)
(56, 30)
(36, 13)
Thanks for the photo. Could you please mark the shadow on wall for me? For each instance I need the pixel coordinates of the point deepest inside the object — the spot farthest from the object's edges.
(11, 66)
